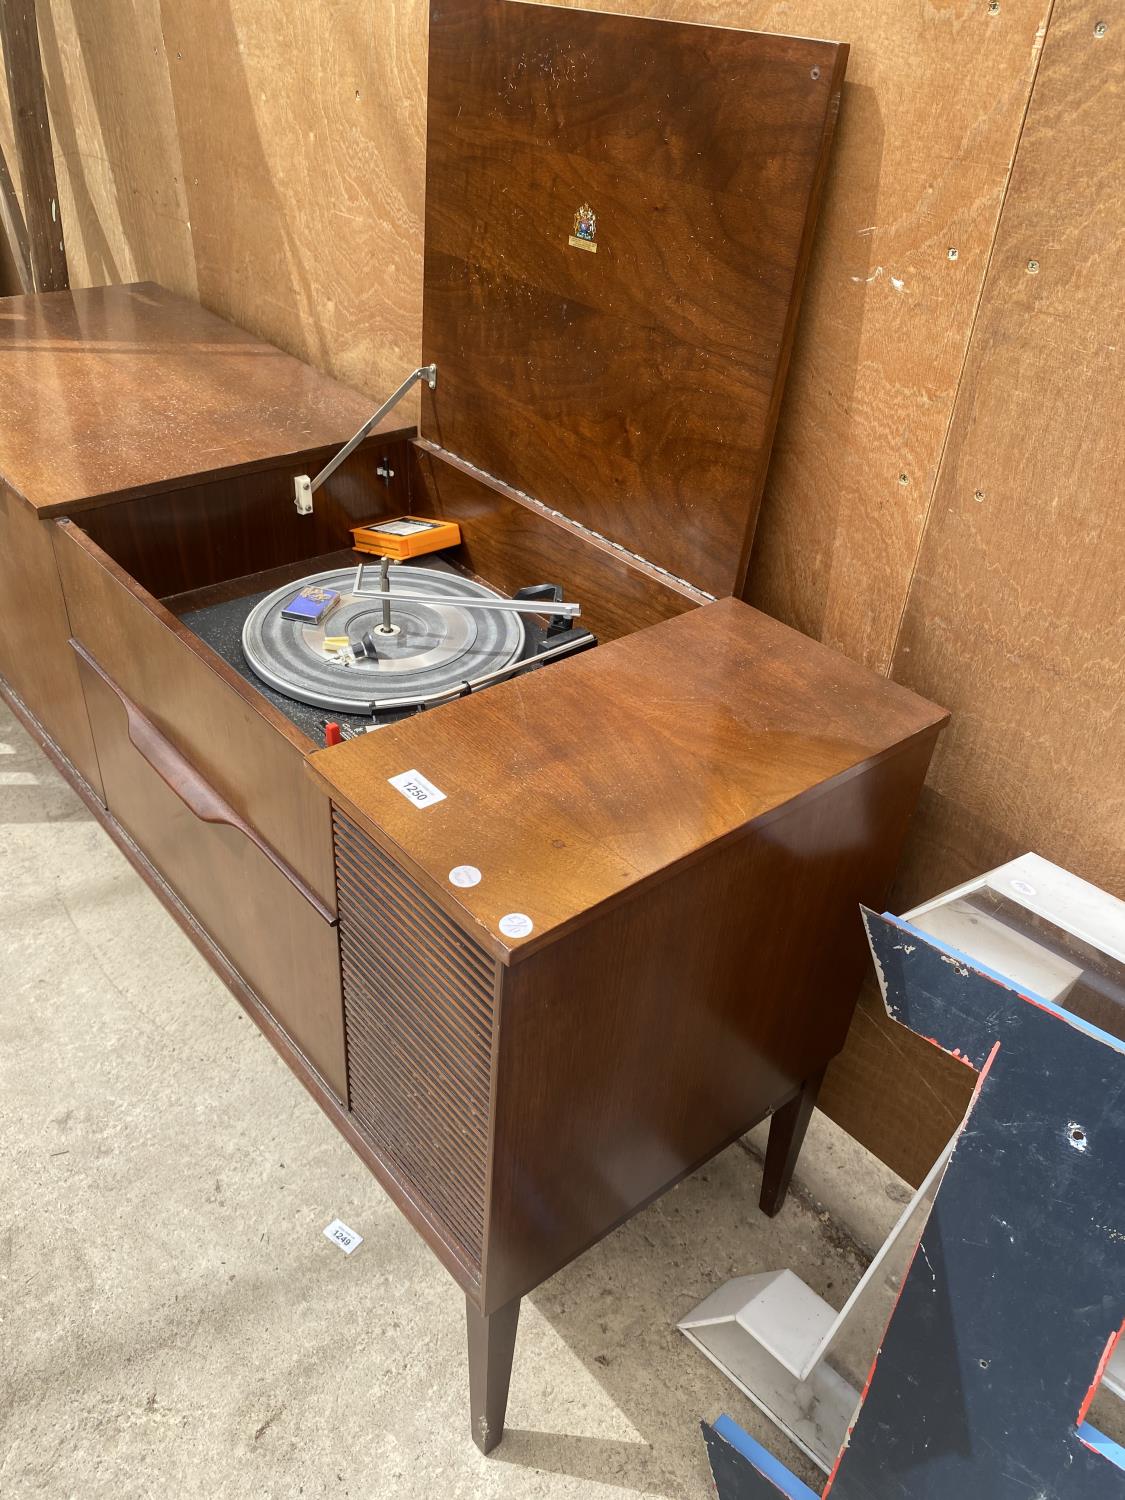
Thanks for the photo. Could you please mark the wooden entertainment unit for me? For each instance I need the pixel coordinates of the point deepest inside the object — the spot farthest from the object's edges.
(625, 927)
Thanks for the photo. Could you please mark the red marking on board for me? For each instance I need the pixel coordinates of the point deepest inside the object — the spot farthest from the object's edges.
(1103, 1365)
(989, 1060)
(956, 1053)
(984, 1072)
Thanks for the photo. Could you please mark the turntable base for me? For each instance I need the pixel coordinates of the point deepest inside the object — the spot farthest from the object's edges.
(435, 648)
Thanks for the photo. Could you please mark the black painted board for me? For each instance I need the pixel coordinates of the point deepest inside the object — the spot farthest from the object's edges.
(1017, 1290)
(1015, 1297)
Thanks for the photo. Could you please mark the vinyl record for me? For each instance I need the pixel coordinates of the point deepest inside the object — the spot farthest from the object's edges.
(436, 646)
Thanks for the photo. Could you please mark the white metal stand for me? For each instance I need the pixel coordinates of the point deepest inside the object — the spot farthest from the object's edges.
(774, 1337)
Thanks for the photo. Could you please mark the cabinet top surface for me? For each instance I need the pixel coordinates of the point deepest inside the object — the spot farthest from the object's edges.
(569, 785)
(123, 390)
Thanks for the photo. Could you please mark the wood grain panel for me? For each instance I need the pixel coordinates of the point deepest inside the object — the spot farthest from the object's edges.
(276, 939)
(511, 542)
(35, 660)
(635, 388)
(573, 786)
(242, 746)
(1017, 612)
(642, 1044)
(15, 248)
(117, 152)
(122, 391)
(287, 193)
(303, 173)
(1016, 617)
(902, 1101)
(929, 121)
(185, 539)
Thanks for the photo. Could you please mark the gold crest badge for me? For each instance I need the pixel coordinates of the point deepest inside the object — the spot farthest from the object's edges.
(585, 236)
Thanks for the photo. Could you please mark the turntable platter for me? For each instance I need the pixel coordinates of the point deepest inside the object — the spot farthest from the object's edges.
(436, 648)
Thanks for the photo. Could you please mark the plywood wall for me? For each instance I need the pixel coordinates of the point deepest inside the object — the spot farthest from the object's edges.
(269, 158)
(1015, 617)
(264, 156)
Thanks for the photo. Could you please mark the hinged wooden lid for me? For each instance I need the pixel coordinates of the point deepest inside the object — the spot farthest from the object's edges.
(623, 365)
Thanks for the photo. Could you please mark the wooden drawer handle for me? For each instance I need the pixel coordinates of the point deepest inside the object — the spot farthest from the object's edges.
(197, 794)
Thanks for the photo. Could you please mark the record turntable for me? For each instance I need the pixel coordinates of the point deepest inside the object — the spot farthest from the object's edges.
(415, 638)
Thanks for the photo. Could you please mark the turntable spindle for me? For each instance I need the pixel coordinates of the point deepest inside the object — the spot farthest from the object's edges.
(386, 628)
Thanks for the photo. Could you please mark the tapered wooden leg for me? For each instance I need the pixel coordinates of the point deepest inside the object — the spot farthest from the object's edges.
(787, 1134)
(492, 1342)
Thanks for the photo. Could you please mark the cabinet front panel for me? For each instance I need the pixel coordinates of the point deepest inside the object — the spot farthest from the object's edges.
(282, 945)
(242, 747)
(419, 1008)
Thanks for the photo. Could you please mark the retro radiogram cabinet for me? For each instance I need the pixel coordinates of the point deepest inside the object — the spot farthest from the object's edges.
(541, 950)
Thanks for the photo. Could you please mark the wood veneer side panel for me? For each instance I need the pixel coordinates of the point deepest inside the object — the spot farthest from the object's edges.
(240, 744)
(184, 539)
(511, 544)
(272, 468)
(34, 657)
(638, 1046)
(899, 1096)
(1016, 616)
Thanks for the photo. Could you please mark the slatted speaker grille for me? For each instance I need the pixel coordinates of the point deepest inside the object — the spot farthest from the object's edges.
(418, 1018)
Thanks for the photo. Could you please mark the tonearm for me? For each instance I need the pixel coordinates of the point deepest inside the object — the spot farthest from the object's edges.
(304, 488)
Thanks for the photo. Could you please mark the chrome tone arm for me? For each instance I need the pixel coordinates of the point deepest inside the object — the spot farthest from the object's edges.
(304, 488)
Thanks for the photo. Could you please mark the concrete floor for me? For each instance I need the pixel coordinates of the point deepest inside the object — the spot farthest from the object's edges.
(174, 1321)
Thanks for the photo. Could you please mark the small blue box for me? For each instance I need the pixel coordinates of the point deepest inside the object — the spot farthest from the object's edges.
(311, 605)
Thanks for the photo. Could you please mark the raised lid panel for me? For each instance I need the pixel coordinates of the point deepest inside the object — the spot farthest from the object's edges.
(634, 388)
(570, 786)
(122, 390)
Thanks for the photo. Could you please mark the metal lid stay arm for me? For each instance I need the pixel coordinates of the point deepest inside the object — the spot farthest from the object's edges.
(304, 488)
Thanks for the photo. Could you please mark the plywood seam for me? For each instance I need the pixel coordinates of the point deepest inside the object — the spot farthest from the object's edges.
(1041, 41)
